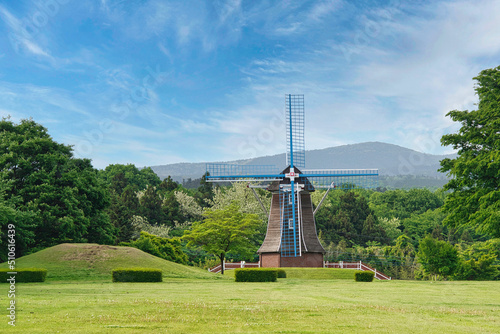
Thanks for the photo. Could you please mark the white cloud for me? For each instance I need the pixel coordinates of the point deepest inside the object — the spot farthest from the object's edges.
(416, 65)
(399, 89)
(21, 35)
(322, 9)
(34, 48)
(43, 103)
(434, 74)
(110, 148)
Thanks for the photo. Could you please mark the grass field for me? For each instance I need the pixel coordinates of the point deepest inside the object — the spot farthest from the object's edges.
(92, 262)
(312, 273)
(286, 306)
(78, 297)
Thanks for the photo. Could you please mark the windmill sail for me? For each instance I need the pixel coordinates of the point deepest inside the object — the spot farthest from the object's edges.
(295, 124)
(289, 198)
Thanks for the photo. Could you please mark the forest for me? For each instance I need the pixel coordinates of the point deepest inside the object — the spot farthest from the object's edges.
(52, 197)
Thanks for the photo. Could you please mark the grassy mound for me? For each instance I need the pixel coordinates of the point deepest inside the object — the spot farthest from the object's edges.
(312, 273)
(91, 262)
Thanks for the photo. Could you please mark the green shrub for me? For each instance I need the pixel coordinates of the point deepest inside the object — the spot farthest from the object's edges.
(26, 275)
(281, 273)
(364, 276)
(255, 275)
(168, 249)
(136, 275)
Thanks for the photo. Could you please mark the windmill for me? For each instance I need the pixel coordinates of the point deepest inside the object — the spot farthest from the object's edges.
(291, 239)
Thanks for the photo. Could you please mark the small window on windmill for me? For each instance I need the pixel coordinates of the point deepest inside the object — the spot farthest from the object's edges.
(290, 223)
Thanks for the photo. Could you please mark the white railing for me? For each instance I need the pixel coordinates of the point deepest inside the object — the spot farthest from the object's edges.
(341, 265)
(358, 266)
(234, 265)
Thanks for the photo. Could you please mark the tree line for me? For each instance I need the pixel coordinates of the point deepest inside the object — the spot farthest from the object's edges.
(52, 197)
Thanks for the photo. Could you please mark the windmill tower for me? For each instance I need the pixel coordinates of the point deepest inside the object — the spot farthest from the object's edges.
(291, 239)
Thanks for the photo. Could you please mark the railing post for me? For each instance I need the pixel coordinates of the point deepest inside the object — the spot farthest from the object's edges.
(375, 272)
(242, 264)
(341, 264)
(360, 268)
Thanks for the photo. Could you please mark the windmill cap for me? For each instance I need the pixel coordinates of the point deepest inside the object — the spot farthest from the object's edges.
(275, 186)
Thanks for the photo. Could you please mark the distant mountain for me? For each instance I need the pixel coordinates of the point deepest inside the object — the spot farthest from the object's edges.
(391, 161)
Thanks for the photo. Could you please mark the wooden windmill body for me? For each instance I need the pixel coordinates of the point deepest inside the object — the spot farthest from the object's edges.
(311, 252)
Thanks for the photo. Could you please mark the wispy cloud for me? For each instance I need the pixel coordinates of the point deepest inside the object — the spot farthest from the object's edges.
(224, 67)
(435, 74)
(34, 48)
(290, 18)
(389, 94)
(321, 9)
(37, 100)
(20, 35)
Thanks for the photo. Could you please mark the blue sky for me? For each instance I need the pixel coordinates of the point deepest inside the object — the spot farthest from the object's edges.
(157, 82)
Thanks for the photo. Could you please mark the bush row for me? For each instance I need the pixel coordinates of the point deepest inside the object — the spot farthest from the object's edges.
(364, 276)
(256, 275)
(281, 273)
(136, 275)
(25, 275)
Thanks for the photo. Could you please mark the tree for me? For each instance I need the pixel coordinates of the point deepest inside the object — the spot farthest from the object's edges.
(189, 208)
(131, 175)
(168, 185)
(239, 193)
(121, 212)
(224, 230)
(402, 257)
(167, 248)
(391, 227)
(205, 192)
(64, 193)
(151, 206)
(343, 226)
(373, 230)
(118, 183)
(172, 210)
(477, 261)
(418, 226)
(475, 185)
(15, 220)
(346, 217)
(404, 203)
(437, 257)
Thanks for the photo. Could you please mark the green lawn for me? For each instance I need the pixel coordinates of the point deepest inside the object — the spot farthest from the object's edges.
(311, 273)
(286, 306)
(92, 262)
(78, 297)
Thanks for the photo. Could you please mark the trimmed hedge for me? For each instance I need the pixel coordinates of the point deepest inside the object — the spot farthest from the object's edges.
(364, 276)
(281, 273)
(255, 275)
(25, 275)
(136, 275)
